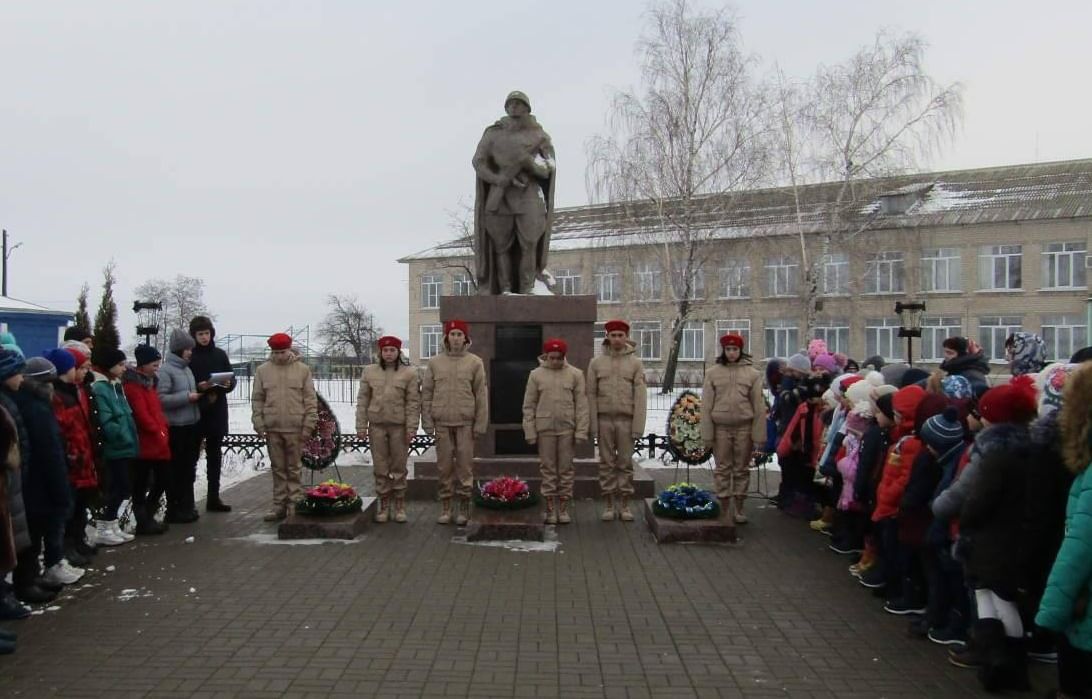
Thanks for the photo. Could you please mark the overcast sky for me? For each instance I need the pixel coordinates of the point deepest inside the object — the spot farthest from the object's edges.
(286, 150)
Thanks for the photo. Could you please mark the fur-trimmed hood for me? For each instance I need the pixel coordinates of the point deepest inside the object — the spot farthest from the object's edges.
(1075, 419)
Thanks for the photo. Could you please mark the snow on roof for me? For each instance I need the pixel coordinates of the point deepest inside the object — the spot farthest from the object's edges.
(1036, 191)
(13, 305)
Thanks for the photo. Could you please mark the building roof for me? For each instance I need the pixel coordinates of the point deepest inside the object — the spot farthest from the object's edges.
(1035, 191)
(18, 306)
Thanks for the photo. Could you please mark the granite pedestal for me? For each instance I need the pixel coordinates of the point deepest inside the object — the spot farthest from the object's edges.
(670, 531)
(347, 526)
(527, 524)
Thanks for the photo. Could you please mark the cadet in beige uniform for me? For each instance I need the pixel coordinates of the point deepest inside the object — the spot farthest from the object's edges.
(455, 406)
(733, 421)
(388, 410)
(555, 412)
(616, 406)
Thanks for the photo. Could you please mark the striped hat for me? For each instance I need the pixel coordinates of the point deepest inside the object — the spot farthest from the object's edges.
(943, 432)
(11, 363)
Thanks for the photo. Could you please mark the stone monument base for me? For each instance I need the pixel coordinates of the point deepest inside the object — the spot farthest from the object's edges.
(423, 484)
(671, 531)
(527, 524)
(347, 526)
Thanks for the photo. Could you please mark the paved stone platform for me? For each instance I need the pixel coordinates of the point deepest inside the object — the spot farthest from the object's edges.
(405, 611)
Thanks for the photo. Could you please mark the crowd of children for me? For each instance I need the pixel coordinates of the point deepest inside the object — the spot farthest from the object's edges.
(963, 507)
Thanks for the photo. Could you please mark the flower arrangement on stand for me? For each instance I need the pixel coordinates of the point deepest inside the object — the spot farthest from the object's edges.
(505, 493)
(328, 499)
(686, 501)
(322, 448)
(684, 429)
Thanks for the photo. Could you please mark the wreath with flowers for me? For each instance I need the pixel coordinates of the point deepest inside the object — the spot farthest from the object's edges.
(329, 498)
(686, 501)
(684, 430)
(505, 493)
(322, 449)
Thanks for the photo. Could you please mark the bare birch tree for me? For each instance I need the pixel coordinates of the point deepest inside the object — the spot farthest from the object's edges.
(349, 329)
(182, 297)
(678, 149)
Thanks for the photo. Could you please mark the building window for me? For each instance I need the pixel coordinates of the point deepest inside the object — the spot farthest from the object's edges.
(738, 326)
(432, 285)
(782, 338)
(463, 285)
(734, 280)
(568, 282)
(692, 342)
(992, 333)
(882, 338)
(646, 335)
(883, 273)
(608, 285)
(941, 269)
(649, 281)
(599, 334)
(431, 337)
(697, 284)
(782, 276)
(835, 332)
(1063, 266)
(1000, 267)
(934, 331)
(836, 274)
(1064, 335)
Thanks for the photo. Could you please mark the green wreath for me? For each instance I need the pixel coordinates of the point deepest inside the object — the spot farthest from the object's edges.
(490, 504)
(328, 508)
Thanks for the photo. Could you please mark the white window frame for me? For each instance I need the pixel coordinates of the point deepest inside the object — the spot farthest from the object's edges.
(1063, 334)
(836, 274)
(432, 288)
(944, 265)
(885, 273)
(739, 326)
(835, 332)
(697, 286)
(692, 342)
(1001, 261)
(782, 277)
(1071, 252)
(648, 282)
(599, 333)
(432, 338)
(568, 282)
(647, 335)
(782, 337)
(462, 284)
(735, 279)
(934, 331)
(879, 331)
(608, 285)
(999, 328)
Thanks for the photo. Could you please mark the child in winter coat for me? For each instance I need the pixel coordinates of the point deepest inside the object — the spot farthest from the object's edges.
(799, 448)
(72, 408)
(45, 483)
(1064, 608)
(555, 414)
(284, 409)
(733, 422)
(151, 468)
(388, 411)
(178, 394)
(119, 439)
(455, 407)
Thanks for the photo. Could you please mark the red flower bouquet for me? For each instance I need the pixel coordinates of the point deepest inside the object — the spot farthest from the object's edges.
(505, 493)
(329, 498)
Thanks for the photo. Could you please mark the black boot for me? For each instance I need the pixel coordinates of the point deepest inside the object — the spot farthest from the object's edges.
(146, 524)
(989, 635)
(1016, 665)
(215, 504)
(32, 594)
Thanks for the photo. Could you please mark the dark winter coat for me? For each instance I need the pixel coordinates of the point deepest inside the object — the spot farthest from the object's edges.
(45, 478)
(204, 363)
(991, 522)
(151, 423)
(1047, 493)
(874, 446)
(11, 464)
(72, 408)
(972, 367)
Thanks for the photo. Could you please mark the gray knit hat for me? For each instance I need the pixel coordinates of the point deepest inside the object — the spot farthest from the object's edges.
(180, 341)
(943, 432)
(40, 369)
(800, 362)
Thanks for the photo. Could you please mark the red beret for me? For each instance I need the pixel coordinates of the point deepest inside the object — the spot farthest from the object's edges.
(555, 344)
(79, 356)
(389, 341)
(732, 340)
(279, 341)
(455, 324)
(613, 325)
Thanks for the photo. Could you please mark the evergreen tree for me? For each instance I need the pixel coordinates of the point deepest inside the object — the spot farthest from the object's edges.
(106, 318)
(83, 321)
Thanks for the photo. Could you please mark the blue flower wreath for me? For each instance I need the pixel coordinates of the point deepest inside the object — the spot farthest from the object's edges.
(686, 501)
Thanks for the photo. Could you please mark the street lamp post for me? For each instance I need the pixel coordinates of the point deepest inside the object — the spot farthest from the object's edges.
(149, 315)
(909, 324)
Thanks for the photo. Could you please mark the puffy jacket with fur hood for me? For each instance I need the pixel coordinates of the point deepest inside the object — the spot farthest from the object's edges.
(454, 393)
(616, 388)
(555, 402)
(389, 397)
(731, 396)
(900, 457)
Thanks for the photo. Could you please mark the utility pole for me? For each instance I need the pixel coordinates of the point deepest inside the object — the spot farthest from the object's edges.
(6, 254)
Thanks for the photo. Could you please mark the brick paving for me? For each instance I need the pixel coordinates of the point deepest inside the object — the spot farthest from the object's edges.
(406, 611)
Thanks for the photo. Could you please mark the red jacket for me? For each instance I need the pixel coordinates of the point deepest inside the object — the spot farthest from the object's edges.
(901, 455)
(72, 408)
(151, 423)
(795, 437)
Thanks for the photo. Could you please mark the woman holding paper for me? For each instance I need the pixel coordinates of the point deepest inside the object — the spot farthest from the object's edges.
(212, 371)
